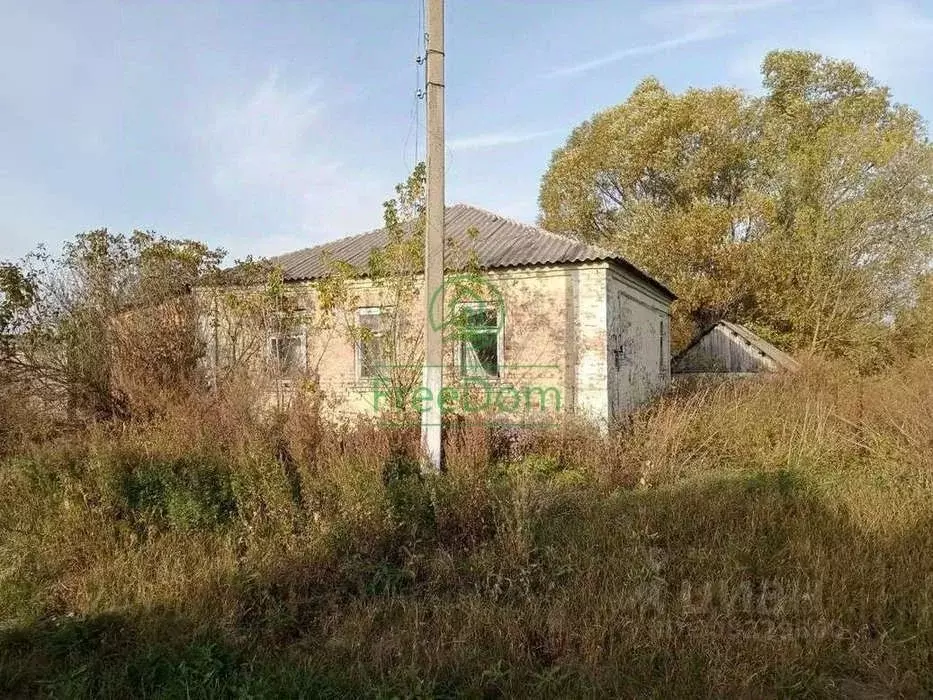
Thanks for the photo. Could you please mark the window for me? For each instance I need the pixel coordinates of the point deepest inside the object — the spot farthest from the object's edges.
(287, 354)
(370, 348)
(479, 348)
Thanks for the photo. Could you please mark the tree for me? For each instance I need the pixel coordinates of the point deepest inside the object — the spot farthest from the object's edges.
(395, 276)
(19, 289)
(804, 213)
(914, 325)
(107, 322)
(663, 179)
(394, 271)
(849, 181)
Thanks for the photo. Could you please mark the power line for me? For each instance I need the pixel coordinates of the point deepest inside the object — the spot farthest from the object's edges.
(420, 82)
(414, 119)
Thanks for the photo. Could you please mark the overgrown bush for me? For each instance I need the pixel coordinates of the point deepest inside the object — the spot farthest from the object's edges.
(182, 493)
(747, 538)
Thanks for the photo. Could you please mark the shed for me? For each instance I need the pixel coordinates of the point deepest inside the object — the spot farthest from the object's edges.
(728, 348)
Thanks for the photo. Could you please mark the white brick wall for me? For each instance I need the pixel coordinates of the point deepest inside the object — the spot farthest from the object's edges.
(638, 342)
(591, 371)
(564, 328)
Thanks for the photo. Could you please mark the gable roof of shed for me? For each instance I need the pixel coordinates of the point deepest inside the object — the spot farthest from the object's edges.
(780, 358)
(500, 243)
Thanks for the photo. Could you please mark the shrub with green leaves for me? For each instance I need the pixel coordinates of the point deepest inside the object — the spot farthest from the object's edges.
(183, 494)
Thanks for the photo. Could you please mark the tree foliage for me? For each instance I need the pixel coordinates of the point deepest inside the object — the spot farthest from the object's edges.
(394, 275)
(805, 212)
(108, 321)
(914, 325)
(395, 283)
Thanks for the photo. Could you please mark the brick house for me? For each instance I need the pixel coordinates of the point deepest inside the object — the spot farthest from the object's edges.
(550, 324)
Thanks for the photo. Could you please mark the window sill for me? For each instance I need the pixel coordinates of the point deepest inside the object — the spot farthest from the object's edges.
(479, 379)
(457, 381)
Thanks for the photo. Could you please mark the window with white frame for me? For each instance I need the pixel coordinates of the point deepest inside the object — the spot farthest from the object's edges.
(479, 351)
(370, 345)
(287, 353)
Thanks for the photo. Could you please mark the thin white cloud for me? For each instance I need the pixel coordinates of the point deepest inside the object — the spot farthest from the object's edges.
(705, 33)
(496, 139)
(262, 140)
(272, 158)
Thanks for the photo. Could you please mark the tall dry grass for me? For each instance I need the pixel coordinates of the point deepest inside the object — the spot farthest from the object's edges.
(751, 538)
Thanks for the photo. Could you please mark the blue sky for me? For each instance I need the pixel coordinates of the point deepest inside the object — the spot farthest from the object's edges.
(268, 126)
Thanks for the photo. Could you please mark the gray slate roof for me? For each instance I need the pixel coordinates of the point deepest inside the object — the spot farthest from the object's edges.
(501, 243)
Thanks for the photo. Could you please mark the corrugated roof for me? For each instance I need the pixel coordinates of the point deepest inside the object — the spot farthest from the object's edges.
(780, 358)
(500, 243)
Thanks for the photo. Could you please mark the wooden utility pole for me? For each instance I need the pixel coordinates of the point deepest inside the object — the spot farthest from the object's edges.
(431, 437)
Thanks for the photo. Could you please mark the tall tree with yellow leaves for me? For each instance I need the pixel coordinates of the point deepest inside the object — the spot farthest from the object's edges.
(805, 213)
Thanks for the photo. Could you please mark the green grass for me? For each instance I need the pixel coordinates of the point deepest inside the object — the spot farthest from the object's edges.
(764, 539)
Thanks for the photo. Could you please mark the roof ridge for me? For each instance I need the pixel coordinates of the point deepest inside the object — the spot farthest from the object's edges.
(502, 246)
(493, 214)
(349, 237)
(539, 229)
(463, 205)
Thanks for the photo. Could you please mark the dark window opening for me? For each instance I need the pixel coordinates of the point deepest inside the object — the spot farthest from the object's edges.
(478, 326)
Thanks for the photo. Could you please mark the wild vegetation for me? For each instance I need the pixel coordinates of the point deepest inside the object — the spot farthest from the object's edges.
(759, 538)
(805, 213)
(163, 533)
(754, 538)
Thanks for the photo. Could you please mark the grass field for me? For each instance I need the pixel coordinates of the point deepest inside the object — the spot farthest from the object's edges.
(757, 539)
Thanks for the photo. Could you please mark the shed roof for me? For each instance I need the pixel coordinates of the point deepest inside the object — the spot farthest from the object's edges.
(779, 357)
(500, 243)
